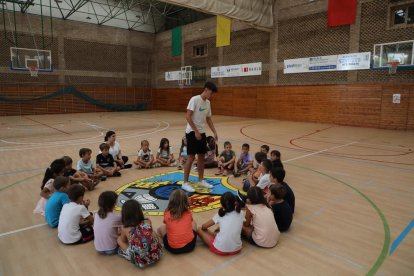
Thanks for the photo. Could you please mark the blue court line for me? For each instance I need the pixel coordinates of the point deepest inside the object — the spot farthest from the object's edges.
(399, 239)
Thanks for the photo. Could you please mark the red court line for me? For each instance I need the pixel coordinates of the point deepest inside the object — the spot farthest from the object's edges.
(323, 153)
(348, 154)
(47, 125)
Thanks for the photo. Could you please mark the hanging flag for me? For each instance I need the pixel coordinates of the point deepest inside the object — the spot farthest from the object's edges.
(176, 41)
(223, 31)
(341, 12)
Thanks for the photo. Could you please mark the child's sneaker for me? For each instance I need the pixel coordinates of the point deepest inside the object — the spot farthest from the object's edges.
(187, 187)
(128, 166)
(195, 169)
(103, 178)
(123, 254)
(180, 167)
(204, 184)
(117, 174)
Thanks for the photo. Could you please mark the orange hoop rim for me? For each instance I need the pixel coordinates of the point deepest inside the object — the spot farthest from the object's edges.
(394, 63)
(33, 67)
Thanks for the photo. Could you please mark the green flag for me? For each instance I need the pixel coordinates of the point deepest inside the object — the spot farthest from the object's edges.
(176, 41)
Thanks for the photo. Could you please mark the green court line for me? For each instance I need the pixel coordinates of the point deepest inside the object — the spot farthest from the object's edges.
(18, 182)
(386, 246)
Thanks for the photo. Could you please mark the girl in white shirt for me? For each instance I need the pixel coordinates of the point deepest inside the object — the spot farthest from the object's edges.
(226, 240)
(165, 156)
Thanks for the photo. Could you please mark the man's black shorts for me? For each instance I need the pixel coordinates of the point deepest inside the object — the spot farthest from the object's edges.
(195, 146)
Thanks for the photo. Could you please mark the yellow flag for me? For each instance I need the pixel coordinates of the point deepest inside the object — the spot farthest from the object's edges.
(223, 31)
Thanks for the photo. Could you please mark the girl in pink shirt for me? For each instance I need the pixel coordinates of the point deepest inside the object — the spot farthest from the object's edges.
(259, 227)
(106, 224)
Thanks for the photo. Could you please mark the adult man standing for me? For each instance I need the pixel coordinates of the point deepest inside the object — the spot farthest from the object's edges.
(198, 113)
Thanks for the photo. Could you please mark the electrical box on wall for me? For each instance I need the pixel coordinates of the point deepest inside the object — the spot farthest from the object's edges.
(396, 98)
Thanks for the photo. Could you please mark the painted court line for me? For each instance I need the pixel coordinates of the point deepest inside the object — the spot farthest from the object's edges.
(400, 238)
(317, 152)
(22, 229)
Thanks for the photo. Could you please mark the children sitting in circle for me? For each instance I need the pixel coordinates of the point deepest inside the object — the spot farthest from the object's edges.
(85, 165)
(183, 153)
(226, 240)
(55, 203)
(259, 227)
(106, 224)
(138, 243)
(165, 156)
(227, 160)
(145, 159)
(75, 221)
(179, 232)
(106, 163)
(56, 169)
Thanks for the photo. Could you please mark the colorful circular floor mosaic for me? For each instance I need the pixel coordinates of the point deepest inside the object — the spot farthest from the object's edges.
(153, 192)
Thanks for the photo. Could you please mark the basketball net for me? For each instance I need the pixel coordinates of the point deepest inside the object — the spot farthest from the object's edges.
(392, 70)
(33, 70)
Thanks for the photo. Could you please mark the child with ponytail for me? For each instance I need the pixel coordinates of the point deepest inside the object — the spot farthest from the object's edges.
(226, 240)
(57, 168)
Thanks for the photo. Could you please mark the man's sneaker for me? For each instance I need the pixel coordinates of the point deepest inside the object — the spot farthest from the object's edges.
(195, 169)
(204, 184)
(187, 187)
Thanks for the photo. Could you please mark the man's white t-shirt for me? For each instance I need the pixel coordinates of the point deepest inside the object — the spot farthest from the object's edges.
(201, 109)
(229, 237)
(68, 228)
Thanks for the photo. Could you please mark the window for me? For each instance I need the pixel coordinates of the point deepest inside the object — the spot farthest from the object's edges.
(402, 16)
(200, 50)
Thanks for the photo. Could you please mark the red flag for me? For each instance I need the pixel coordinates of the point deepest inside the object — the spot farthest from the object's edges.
(341, 12)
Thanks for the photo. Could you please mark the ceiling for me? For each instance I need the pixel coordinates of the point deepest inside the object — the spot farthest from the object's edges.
(139, 15)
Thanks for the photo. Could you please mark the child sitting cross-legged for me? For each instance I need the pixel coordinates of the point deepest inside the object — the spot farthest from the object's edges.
(55, 203)
(281, 209)
(227, 239)
(245, 161)
(56, 169)
(179, 232)
(138, 243)
(226, 160)
(106, 163)
(165, 156)
(85, 165)
(106, 224)
(145, 159)
(259, 226)
(75, 221)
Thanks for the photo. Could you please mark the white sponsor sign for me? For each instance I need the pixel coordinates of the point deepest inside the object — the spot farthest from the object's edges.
(354, 61)
(238, 70)
(172, 76)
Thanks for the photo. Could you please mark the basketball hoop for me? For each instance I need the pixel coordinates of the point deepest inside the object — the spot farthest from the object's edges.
(33, 70)
(392, 70)
(185, 76)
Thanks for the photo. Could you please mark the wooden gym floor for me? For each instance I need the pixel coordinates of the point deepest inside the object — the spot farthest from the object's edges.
(354, 192)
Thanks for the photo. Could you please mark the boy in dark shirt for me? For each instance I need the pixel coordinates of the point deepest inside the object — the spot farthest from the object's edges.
(106, 162)
(277, 176)
(281, 209)
(275, 158)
